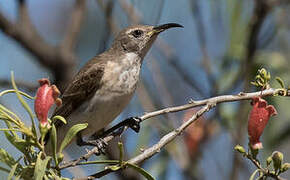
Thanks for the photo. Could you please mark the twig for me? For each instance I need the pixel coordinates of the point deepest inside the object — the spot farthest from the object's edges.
(206, 62)
(21, 84)
(74, 28)
(132, 14)
(261, 10)
(173, 60)
(266, 172)
(192, 104)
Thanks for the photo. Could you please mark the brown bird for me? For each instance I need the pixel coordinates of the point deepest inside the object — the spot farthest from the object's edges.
(105, 85)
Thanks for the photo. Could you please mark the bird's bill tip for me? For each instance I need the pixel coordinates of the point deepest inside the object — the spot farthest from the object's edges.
(163, 27)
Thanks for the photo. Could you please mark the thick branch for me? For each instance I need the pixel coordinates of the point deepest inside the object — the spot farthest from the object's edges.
(26, 35)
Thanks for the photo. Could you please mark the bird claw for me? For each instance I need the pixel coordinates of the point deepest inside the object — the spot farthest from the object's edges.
(134, 123)
(100, 143)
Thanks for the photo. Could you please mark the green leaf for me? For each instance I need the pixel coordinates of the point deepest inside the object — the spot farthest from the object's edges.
(141, 171)
(280, 81)
(40, 166)
(7, 116)
(4, 169)
(54, 143)
(121, 149)
(254, 174)
(285, 167)
(240, 149)
(12, 172)
(6, 158)
(114, 168)
(71, 134)
(54, 176)
(62, 119)
(24, 104)
(20, 144)
(17, 177)
(6, 110)
(18, 130)
(13, 91)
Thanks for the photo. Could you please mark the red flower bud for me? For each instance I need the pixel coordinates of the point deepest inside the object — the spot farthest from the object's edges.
(258, 119)
(46, 96)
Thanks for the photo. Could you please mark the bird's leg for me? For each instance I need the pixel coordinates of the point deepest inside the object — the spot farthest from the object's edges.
(98, 138)
(132, 122)
(98, 142)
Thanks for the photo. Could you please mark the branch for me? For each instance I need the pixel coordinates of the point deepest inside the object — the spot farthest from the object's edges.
(261, 10)
(131, 12)
(74, 28)
(173, 60)
(26, 35)
(26, 85)
(207, 103)
(201, 36)
(61, 61)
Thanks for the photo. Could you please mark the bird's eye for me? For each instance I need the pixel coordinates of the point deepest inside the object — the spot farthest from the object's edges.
(137, 33)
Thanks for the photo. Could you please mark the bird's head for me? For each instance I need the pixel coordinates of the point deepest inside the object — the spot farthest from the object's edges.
(139, 38)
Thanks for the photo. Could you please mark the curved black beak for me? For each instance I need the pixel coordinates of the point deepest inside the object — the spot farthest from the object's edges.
(163, 27)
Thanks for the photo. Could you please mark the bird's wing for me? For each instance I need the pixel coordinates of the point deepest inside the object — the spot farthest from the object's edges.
(83, 87)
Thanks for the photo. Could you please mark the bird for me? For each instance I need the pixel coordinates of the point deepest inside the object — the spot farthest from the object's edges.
(104, 86)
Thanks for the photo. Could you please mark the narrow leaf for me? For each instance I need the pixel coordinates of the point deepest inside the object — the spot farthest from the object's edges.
(12, 172)
(141, 171)
(4, 169)
(114, 168)
(20, 144)
(71, 134)
(6, 158)
(13, 91)
(62, 119)
(24, 104)
(280, 81)
(40, 166)
(121, 150)
(54, 143)
(254, 174)
(7, 111)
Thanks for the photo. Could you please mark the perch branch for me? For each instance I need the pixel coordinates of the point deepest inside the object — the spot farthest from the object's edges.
(207, 103)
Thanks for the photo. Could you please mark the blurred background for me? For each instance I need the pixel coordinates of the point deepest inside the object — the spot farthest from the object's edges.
(218, 51)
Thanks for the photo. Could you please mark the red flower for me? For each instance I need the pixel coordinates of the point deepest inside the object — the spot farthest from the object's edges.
(46, 96)
(258, 119)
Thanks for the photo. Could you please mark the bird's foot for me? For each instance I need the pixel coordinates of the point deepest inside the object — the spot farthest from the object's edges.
(134, 123)
(100, 143)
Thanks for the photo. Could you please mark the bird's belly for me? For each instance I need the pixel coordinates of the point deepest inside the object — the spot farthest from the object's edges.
(100, 112)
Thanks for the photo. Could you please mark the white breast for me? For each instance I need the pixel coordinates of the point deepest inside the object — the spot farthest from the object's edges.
(121, 77)
(118, 86)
